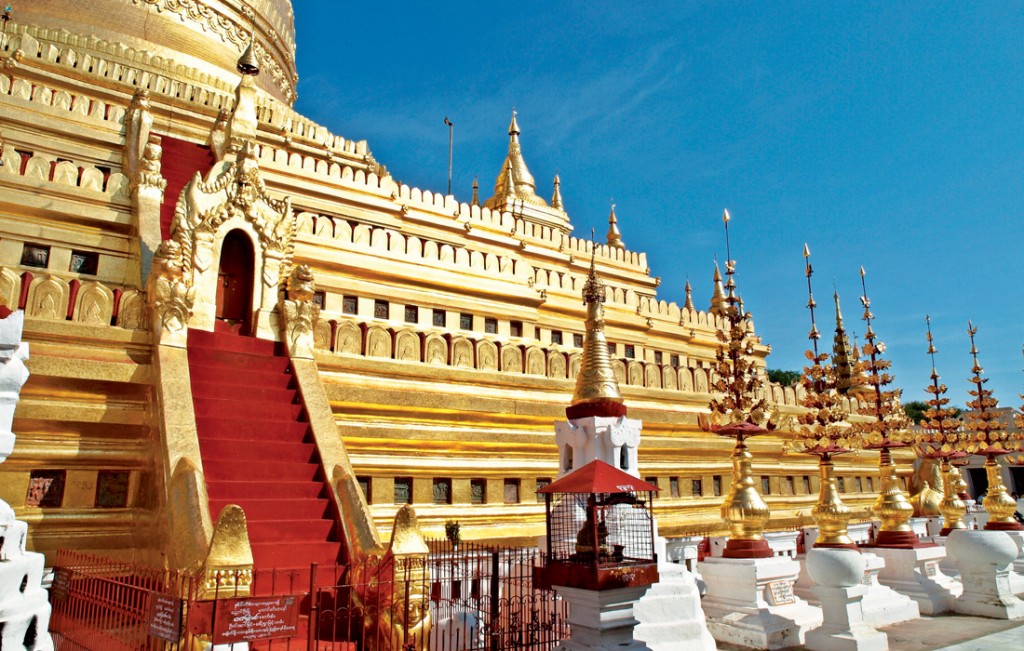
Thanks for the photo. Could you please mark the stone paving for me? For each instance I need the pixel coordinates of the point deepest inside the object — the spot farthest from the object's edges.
(948, 633)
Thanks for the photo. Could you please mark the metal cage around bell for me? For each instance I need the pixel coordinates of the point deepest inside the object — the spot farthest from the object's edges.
(600, 529)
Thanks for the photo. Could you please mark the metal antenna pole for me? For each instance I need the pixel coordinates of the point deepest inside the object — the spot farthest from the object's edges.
(451, 128)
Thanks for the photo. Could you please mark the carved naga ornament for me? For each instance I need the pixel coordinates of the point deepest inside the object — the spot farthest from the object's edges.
(183, 283)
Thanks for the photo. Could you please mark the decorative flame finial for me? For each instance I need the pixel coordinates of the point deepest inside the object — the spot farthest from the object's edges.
(597, 391)
(614, 236)
(718, 299)
(556, 198)
(476, 192)
(689, 297)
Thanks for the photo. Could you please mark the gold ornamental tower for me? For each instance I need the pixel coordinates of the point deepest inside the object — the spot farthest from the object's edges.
(824, 432)
(991, 441)
(886, 430)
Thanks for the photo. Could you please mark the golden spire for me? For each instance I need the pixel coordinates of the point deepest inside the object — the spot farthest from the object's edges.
(849, 381)
(614, 236)
(719, 302)
(689, 297)
(556, 198)
(596, 383)
(476, 192)
(514, 181)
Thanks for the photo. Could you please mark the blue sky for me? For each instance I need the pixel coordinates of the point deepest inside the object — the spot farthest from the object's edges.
(888, 135)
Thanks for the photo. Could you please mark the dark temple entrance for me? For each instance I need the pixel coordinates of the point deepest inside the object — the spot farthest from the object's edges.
(234, 284)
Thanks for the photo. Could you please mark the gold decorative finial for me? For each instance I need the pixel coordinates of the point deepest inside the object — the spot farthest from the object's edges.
(885, 429)
(824, 432)
(556, 198)
(515, 184)
(595, 383)
(689, 297)
(991, 440)
(739, 410)
(614, 236)
(844, 358)
(719, 302)
(942, 438)
(476, 192)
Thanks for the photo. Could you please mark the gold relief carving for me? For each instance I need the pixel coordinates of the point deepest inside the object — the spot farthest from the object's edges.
(436, 350)
(462, 353)
(668, 376)
(486, 356)
(210, 20)
(47, 299)
(10, 288)
(700, 380)
(512, 359)
(131, 313)
(322, 335)
(653, 378)
(348, 339)
(407, 346)
(172, 298)
(218, 140)
(378, 342)
(619, 371)
(138, 122)
(635, 374)
(556, 365)
(299, 313)
(535, 363)
(184, 265)
(685, 379)
(148, 173)
(94, 304)
(575, 361)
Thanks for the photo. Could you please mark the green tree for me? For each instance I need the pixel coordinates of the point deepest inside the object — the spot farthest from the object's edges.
(783, 377)
(915, 411)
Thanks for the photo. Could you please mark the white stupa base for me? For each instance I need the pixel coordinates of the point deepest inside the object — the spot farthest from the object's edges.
(602, 620)
(882, 606)
(751, 603)
(916, 573)
(685, 550)
(670, 613)
(839, 573)
(1017, 567)
(984, 558)
(21, 607)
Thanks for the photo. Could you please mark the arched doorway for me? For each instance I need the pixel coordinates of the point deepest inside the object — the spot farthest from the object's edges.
(234, 284)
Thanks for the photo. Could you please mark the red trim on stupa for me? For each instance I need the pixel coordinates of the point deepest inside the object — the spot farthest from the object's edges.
(747, 549)
(837, 546)
(1003, 526)
(899, 540)
(603, 409)
(598, 477)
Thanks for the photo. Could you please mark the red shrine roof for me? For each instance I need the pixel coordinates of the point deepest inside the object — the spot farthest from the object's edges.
(598, 477)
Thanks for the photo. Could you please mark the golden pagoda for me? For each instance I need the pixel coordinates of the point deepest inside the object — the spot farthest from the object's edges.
(206, 272)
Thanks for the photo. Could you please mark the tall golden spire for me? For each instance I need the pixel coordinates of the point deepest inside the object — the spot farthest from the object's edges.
(597, 391)
(556, 198)
(719, 302)
(689, 297)
(515, 183)
(614, 236)
(848, 380)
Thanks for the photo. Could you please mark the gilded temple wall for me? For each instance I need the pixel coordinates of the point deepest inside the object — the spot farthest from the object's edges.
(462, 405)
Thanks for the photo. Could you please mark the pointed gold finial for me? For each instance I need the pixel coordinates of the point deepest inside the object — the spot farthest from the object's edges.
(719, 301)
(476, 192)
(515, 184)
(849, 381)
(597, 391)
(556, 198)
(689, 297)
(614, 236)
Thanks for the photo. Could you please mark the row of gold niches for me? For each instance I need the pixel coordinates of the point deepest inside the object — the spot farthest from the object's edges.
(377, 328)
(71, 489)
(46, 296)
(509, 490)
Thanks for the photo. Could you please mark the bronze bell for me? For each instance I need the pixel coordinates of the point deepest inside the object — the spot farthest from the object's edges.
(247, 64)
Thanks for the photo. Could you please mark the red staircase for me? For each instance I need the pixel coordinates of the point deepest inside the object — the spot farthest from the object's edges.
(258, 452)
